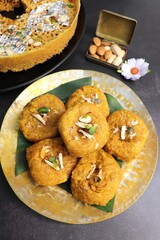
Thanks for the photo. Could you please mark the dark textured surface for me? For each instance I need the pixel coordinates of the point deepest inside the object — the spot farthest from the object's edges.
(141, 221)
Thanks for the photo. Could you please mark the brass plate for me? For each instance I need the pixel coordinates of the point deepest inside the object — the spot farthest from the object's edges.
(54, 202)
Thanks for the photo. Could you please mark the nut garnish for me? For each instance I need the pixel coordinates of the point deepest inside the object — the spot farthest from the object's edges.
(55, 162)
(39, 118)
(99, 175)
(85, 119)
(87, 99)
(123, 132)
(83, 125)
(43, 110)
(91, 172)
(92, 99)
(134, 123)
(115, 129)
(92, 130)
(44, 151)
(97, 145)
(53, 165)
(86, 134)
(60, 158)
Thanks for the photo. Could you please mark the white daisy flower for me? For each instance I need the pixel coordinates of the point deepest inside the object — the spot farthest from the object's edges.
(134, 68)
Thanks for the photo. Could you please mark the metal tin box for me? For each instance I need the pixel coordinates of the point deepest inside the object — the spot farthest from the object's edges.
(112, 29)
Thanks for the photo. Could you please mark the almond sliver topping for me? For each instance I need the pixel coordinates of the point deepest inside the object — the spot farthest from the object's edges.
(86, 134)
(100, 174)
(123, 132)
(116, 129)
(91, 172)
(134, 123)
(97, 145)
(85, 119)
(81, 124)
(87, 99)
(52, 165)
(132, 135)
(39, 118)
(60, 157)
(44, 150)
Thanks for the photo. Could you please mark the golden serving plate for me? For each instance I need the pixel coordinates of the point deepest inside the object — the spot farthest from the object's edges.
(54, 202)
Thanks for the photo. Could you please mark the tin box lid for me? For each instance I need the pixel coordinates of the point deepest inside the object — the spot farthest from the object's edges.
(115, 27)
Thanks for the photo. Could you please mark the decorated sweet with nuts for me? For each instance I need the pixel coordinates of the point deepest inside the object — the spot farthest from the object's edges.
(106, 51)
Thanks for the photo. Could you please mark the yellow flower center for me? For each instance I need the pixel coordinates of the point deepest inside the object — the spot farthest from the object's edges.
(134, 70)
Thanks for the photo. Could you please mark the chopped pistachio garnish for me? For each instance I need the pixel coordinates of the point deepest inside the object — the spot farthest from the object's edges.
(70, 5)
(39, 118)
(43, 110)
(52, 159)
(92, 130)
(18, 33)
(130, 130)
(88, 126)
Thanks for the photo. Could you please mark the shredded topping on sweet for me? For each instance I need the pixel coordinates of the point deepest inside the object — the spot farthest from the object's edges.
(39, 118)
(83, 125)
(97, 171)
(134, 123)
(86, 134)
(87, 128)
(94, 99)
(123, 132)
(85, 119)
(44, 151)
(116, 129)
(43, 110)
(97, 145)
(53, 165)
(60, 157)
(91, 172)
(55, 162)
(99, 175)
(126, 132)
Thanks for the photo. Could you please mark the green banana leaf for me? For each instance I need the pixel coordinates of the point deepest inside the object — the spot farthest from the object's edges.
(113, 103)
(63, 92)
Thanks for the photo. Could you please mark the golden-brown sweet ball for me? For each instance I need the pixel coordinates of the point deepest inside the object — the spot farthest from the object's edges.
(96, 178)
(39, 118)
(90, 94)
(83, 129)
(50, 162)
(128, 134)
